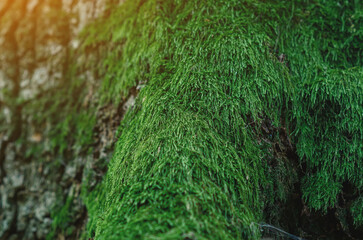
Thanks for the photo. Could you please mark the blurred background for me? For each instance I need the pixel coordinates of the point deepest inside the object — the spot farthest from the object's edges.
(47, 117)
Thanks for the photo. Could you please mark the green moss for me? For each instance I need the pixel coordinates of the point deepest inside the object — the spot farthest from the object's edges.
(324, 52)
(61, 219)
(330, 135)
(188, 162)
(357, 211)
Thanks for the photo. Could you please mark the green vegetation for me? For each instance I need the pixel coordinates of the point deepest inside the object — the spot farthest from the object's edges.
(325, 59)
(189, 162)
(62, 219)
(194, 159)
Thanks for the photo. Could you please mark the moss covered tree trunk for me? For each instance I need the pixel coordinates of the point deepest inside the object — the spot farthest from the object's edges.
(247, 105)
(241, 116)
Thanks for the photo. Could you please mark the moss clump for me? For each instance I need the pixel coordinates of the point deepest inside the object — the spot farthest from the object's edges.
(324, 50)
(188, 163)
(329, 132)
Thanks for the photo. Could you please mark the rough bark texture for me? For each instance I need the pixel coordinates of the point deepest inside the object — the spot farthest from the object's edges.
(38, 48)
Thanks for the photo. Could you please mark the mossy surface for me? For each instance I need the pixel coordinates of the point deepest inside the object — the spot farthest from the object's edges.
(188, 163)
(62, 217)
(324, 53)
